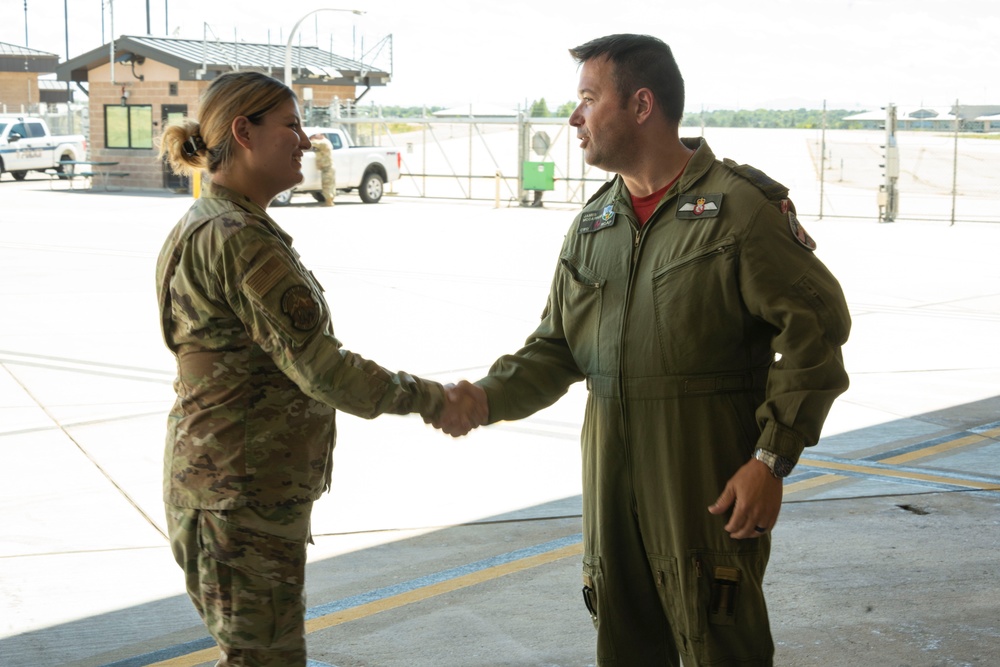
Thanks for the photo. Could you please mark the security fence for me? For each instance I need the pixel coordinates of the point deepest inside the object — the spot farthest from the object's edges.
(946, 172)
(509, 160)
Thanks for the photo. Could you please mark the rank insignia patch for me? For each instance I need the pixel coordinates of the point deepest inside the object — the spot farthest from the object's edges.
(691, 207)
(593, 221)
(299, 305)
(799, 232)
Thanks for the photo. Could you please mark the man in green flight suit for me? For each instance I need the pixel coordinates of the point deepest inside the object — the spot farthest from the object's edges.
(689, 299)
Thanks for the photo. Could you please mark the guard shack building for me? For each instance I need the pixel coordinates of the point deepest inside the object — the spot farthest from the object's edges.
(137, 85)
(19, 84)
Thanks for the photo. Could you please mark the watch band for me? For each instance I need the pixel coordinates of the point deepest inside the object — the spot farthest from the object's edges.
(780, 466)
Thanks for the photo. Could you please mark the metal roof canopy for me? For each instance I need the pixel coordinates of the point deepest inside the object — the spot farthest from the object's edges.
(14, 58)
(204, 60)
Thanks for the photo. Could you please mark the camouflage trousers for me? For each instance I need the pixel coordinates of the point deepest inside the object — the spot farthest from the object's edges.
(245, 572)
(328, 180)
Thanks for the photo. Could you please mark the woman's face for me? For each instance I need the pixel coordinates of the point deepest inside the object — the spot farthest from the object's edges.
(275, 158)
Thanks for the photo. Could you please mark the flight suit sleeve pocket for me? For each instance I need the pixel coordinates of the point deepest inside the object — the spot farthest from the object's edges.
(835, 324)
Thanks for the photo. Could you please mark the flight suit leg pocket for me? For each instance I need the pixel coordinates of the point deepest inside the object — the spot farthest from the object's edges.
(595, 599)
(731, 608)
(676, 599)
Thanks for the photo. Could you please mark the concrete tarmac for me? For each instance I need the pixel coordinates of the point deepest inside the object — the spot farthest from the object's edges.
(434, 552)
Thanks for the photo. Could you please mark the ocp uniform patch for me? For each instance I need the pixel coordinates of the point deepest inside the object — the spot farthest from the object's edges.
(264, 277)
(300, 306)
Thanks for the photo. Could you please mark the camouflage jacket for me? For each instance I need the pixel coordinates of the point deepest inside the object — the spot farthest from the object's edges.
(324, 153)
(259, 371)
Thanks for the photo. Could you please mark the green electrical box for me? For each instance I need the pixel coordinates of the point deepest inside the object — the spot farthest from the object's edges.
(539, 176)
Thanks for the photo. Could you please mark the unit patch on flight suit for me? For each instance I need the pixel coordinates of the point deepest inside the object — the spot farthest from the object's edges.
(299, 305)
(593, 221)
(692, 207)
(799, 232)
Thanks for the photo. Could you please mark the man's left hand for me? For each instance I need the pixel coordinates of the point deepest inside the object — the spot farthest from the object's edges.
(754, 495)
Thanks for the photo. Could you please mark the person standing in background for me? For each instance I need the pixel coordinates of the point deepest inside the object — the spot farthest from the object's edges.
(324, 162)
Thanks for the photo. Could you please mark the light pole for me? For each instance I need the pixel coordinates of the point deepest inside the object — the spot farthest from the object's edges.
(291, 36)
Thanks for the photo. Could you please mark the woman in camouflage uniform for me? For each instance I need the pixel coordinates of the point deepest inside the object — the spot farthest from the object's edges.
(259, 376)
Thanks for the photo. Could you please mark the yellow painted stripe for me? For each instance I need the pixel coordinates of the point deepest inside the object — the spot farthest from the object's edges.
(372, 608)
(806, 484)
(934, 449)
(191, 659)
(441, 588)
(900, 474)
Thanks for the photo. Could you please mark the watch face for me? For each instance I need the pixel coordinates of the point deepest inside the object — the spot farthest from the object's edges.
(782, 466)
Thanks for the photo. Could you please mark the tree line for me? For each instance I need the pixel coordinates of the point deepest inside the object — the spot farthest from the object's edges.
(757, 118)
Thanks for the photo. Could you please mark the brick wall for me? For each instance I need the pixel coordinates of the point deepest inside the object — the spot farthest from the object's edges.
(17, 90)
(144, 169)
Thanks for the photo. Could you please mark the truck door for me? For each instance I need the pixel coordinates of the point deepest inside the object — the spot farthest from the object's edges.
(171, 113)
(34, 148)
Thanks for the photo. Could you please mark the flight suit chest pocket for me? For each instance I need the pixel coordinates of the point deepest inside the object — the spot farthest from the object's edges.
(580, 296)
(698, 308)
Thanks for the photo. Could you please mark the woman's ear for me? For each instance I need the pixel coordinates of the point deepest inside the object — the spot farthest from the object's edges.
(241, 131)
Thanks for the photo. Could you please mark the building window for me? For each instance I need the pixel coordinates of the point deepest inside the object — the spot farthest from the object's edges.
(128, 126)
(173, 89)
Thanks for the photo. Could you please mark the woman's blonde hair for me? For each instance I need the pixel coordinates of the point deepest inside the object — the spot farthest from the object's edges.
(207, 143)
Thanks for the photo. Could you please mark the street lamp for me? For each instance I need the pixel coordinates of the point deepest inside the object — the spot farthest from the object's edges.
(291, 36)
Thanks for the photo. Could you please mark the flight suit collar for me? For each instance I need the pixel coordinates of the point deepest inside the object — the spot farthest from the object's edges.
(697, 167)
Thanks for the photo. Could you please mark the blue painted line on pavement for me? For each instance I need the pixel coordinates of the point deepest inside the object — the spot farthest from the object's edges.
(179, 650)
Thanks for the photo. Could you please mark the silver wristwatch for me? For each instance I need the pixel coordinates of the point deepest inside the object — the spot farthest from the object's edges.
(779, 465)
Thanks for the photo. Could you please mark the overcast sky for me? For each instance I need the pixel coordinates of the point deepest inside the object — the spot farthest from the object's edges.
(734, 54)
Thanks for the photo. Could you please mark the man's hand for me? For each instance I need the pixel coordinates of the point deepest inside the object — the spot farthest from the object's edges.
(754, 495)
(465, 408)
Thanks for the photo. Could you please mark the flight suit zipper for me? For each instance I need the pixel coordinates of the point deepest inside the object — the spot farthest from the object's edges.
(640, 232)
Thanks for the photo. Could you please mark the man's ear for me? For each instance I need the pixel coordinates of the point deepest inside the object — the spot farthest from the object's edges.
(241, 131)
(644, 103)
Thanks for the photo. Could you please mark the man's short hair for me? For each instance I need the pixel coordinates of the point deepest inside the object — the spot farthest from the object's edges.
(640, 61)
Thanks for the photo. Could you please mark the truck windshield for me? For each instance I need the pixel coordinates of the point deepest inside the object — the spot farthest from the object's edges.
(3, 126)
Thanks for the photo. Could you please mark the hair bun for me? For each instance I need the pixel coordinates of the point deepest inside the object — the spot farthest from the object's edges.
(192, 145)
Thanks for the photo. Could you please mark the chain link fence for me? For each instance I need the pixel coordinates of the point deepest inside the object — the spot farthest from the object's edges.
(949, 169)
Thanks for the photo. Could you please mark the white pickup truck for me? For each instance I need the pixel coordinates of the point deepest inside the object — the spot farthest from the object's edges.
(27, 145)
(365, 168)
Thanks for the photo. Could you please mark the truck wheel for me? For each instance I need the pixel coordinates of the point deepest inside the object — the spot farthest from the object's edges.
(371, 188)
(61, 168)
(318, 196)
(19, 175)
(283, 198)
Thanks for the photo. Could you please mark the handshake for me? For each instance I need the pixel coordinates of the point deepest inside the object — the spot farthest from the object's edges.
(465, 408)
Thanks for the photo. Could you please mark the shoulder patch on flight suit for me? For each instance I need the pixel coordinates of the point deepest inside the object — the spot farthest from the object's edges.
(771, 188)
(691, 207)
(798, 231)
(298, 303)
(264, 277)
(594, 221)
